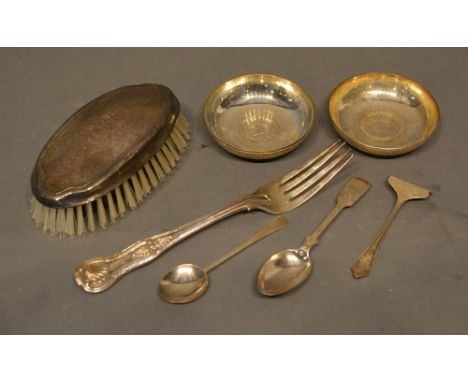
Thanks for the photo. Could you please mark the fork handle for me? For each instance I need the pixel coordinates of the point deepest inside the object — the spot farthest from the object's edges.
(100, 273)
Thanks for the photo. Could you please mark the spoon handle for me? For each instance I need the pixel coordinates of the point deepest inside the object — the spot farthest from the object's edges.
(276, 224)
(363, 264)
(349, 195)
(312, 239)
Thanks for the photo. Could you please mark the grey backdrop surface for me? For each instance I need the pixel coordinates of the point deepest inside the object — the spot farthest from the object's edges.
(419, 283)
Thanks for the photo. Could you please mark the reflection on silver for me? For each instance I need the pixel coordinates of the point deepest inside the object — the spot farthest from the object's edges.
(259, 125)
(259, 116)
(383, 114)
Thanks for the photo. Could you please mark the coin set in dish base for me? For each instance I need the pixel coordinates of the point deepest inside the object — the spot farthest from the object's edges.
(111, 153)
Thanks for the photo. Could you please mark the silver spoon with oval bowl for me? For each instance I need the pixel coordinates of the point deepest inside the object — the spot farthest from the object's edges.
(187, 282)
(288, 269)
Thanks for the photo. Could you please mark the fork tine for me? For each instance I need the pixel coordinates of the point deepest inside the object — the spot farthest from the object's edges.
(311, 169)
(316, 177)
(290, 175)
(315, 184)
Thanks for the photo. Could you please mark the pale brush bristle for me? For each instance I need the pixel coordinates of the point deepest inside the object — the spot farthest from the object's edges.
(157, 168)
(128, 193)
(108, 208)
(60, 221)
(45, 219)
(163, 162)
(138, 189)
(102, 218)
(113, 215)
(173, 150)
(36, 210)
(178, 140)
(144, 182)
(182, 127)
(80, 222)
(170, 158)
(51, 217)
(151, 175)
(70, 222)
(138, 192)
(90, 217)
(120, 202)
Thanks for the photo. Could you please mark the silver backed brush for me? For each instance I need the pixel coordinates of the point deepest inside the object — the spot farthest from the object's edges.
(106, 158)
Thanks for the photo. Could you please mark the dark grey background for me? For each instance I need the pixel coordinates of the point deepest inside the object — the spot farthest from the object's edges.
(419, 283)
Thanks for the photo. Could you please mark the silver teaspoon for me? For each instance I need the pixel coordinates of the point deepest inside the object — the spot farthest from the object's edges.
(288, 269)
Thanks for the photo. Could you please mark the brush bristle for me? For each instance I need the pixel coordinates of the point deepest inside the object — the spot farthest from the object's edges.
(105, 210)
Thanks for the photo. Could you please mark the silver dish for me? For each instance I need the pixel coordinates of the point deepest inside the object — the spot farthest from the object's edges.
(259, 116)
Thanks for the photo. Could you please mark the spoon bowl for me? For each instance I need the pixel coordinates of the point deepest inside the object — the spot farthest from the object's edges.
(284, 271)
(183, 283)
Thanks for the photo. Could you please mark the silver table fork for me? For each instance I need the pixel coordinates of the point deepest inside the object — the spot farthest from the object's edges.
(278, 197)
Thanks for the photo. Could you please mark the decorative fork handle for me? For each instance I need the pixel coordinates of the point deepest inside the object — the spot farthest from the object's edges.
(100, 273)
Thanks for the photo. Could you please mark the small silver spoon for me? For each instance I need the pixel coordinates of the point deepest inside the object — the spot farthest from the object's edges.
(288, 269)
(187, 282)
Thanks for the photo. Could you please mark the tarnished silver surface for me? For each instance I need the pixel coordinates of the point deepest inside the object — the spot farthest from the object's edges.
(103, 143)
